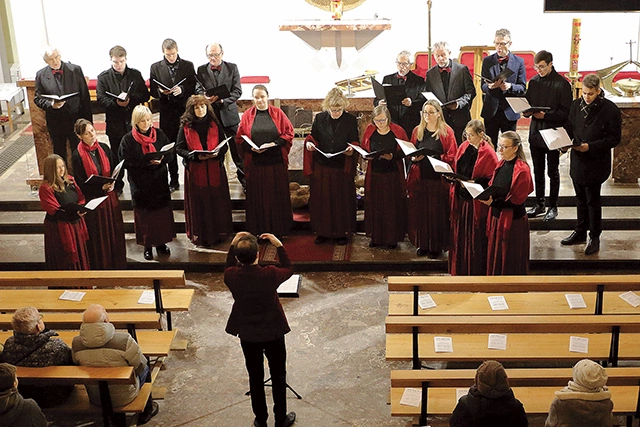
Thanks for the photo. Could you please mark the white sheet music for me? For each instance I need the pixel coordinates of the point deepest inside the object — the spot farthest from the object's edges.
(147, 297)
(473, 188)
(518, 105)
(578, 345)
(497, 342)
(631, 297)
(92, 204)
(411, 397)
(498, 303)
(443, 344)
(426, 301)
(439, 165)
(461, 392)
(72, 296)
(556, 138)
(575, 301)
(290, 285)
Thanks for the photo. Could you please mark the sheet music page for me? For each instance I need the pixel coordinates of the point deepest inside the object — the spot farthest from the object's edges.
(556, 138)
(426, 301)
(147, 297)
(290, 285)
(443, 344)
(578, 345)
(631, 297)
(72, 296)
(411, 397)
(497, 342)
(498, 303)
(575, 301)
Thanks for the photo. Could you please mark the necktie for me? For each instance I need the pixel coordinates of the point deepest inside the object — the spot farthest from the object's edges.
(443, 69)
(216, 68)
(57, 72)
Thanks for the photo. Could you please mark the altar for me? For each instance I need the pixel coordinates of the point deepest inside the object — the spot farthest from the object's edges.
(626, 156)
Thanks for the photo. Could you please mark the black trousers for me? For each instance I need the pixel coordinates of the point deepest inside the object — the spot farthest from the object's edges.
(589, 204)
(59, 141)
(170, 125)
(276, 353)
(230, 131)
(498, 123)
(542, 157)
(115, 134)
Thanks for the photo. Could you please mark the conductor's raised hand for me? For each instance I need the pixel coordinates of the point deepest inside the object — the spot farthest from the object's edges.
(272, 239)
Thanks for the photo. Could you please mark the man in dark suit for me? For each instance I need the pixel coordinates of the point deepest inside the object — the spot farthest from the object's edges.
(407, 113)
(498, 115)
(595, 124)
(450, 81)
(60, 78)
(546, 89)
(178, 77)
(116, 80)
(258, 319)
(215, 73)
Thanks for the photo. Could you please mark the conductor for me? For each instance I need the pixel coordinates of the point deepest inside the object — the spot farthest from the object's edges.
(258, 319)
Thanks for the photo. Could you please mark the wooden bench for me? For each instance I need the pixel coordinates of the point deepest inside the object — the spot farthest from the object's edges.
(155, 279)
(534, 388)
(152, 343)
(529, 338)
(85, 375)
(125, 320)
(526, 295)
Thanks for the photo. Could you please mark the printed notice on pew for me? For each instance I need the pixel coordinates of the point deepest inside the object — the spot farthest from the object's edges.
(498, 303)
(443, 344)
(578, 345)
(631, 297)
(575, 301)
(72, 296)
(425, 301)
(497, 342)
(147, 297)
(411, 397)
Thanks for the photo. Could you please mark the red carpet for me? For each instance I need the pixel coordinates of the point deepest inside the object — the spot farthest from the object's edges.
(302, 248)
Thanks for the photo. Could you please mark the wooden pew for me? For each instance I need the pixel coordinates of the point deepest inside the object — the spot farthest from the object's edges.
(155, 279)
(152, 343)
(533, 387)
(527, 295)
(124, 320)
(85, 375)
(529, 338)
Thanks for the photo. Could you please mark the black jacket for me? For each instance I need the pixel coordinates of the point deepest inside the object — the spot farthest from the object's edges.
(461, 89)
(160, 72)
(228, 76)
(602, 130)
(90, 191)
(476, 410)
(552, 91)
(407, 117)
(112, 81)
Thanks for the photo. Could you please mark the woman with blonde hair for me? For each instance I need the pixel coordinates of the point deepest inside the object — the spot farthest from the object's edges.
(385, 203)
(65, 232)
(207, 203)
(107, 247)
(147, 175)
(428, 191)
(507, 224)
(333, 202)
(475, 160)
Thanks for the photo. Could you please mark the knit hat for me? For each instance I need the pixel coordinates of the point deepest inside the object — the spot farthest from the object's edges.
(7, 376)
(589, 382)
(491, 380)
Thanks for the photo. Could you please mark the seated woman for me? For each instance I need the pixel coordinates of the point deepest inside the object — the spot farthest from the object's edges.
(107, 248)
(65, 232)
(35, 346)
(490, 401)
(207, 203)
(333, 192)
(585, 401)
(147, 175)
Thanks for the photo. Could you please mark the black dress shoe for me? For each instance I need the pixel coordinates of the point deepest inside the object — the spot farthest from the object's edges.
(575, 238)
(174, 186)
(257, 423)
(422, 252)
(145, 418)
(551, 214)
(163, 249)
(593, 246)
(148, 254)
(320, 240)
(535, 211)
(342, 241)
(288, 421)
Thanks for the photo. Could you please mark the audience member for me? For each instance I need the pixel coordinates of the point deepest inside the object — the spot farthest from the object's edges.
(16, 411)
(490, 402)
(33, 345)
(100, 345)
(585, 401)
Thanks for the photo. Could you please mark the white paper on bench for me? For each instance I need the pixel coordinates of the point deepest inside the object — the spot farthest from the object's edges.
(443, 344)
(498, 303)
(289, 286)
(147, 297)
(575, 301)
(631, 298)
(578, 345)
(461, 392)
(425, 301)
(497, 342)
(72, 296)
(411, 397)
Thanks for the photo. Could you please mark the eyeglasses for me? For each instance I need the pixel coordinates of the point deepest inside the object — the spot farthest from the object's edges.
(466, 135)
(214, 55)
(504, 147)
(429, 113)
(540, 67)
(403, 64)
(379, 120)
(502, 44)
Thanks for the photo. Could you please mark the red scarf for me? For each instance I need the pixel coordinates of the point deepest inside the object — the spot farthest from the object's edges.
(205, 173)
(87, 162)
(145, 141)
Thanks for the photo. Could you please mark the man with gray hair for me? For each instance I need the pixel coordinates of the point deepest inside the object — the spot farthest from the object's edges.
(35, 346)
(214, 74)
(100, 345)
(407, 112)
(62, 79)
(452, 84)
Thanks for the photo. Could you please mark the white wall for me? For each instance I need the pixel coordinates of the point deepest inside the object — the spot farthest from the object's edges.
(85, 30)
